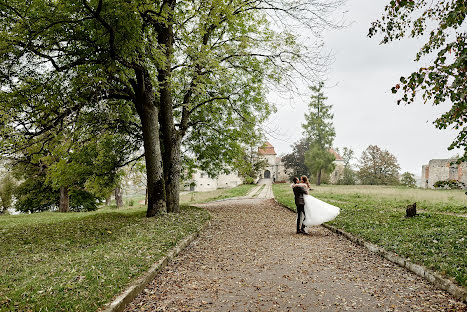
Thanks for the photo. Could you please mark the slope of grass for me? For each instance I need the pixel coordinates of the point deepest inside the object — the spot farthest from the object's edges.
(79, 261)
(435, 240)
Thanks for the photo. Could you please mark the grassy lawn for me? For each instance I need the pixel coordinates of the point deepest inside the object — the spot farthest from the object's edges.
(79, 261)
(203, 197)
(377, 214)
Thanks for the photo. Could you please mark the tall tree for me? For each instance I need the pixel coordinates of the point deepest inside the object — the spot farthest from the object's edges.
(319, 131)
(295, 161)
(442, 22)
(318, 160)
(378, 166)
(249, 164)
(194, 72)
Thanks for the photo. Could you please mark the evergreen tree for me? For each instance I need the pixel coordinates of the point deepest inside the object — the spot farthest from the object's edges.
(319, 131)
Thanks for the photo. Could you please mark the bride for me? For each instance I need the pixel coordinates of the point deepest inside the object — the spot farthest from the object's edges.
(316, 211)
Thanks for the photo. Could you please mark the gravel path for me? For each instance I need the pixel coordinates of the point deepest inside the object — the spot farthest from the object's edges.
(250, 259)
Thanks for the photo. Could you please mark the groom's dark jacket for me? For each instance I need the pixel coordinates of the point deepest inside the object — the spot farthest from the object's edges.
(298, 192)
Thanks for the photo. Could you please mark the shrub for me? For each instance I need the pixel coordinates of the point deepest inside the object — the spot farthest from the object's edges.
(450, 184)
(408, 179)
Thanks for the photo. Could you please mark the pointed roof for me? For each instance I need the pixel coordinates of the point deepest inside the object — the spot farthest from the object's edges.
(266, 149)
(338, 157)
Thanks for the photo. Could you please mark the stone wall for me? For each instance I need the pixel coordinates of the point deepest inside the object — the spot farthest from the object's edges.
(442, 170)
(205, 183)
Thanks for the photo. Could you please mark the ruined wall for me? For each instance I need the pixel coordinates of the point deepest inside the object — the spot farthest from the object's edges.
(442, 170)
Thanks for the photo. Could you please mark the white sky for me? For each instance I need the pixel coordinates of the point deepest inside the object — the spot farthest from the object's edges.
(365, 110)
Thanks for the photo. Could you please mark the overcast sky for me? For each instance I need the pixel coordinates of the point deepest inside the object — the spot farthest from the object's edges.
(365, 110)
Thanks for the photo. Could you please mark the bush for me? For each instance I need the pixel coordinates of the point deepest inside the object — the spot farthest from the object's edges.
(34, 195)
(450, 184)
(349, 177)
(408, 179)
(248, 180)
(131, 203)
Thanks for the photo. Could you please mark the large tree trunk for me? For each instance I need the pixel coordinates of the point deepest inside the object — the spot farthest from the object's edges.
(148, 112)
(146, 197)
(64, 205)
(318, 180)
(118, 197)
(170, 138)
(172, 169)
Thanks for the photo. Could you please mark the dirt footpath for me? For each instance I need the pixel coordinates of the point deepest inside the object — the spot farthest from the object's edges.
(250, 259)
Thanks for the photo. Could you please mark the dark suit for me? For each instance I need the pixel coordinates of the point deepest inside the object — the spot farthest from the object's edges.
(300, 203)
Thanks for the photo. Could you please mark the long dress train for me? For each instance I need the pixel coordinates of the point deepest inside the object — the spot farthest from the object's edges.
(318, 212)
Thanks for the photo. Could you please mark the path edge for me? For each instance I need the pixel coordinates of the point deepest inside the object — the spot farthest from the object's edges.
(136, 287)
(434, 278)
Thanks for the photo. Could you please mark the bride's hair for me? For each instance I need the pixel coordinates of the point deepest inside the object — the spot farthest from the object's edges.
(305, 180)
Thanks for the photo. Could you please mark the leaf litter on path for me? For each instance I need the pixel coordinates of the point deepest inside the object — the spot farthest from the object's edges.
(250, 259)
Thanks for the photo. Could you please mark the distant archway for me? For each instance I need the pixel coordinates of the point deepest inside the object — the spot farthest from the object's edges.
(267, 174)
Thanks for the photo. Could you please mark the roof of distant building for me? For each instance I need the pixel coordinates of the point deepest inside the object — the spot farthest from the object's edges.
(338, 157)
(266, 149)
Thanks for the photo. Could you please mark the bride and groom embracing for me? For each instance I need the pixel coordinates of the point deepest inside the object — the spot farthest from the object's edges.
(310, 210)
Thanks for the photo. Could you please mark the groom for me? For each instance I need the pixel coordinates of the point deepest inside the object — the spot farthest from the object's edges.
(300, 203)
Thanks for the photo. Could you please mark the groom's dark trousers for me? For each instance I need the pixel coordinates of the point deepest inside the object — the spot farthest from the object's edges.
(300, 203)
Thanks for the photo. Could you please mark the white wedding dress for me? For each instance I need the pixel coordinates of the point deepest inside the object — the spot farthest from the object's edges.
(318, 212)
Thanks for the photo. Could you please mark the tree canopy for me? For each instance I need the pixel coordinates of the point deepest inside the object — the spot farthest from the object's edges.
(188, 78)
(442, 23)
(378, 166)
(295, 161)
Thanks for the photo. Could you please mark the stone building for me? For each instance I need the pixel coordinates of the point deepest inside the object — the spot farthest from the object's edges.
(338, 172)
(275, 169)
(202, 182)
(442, 170)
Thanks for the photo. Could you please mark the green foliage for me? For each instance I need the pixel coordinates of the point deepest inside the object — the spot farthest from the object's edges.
(295, 161)
(318, 126)
(349, 177)
(209, 80)
(79, 262)
(7, 189)
(319, 131)
(249, 164)
(450, 184)
(35, 195)
(408, 179)
(318, 159)
(378, 166)
(444, 80)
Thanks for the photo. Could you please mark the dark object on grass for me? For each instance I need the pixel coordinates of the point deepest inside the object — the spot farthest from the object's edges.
(411, 210)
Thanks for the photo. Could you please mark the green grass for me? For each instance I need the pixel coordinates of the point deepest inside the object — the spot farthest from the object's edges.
(204, 197)
(435, 240)
(79, 261)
